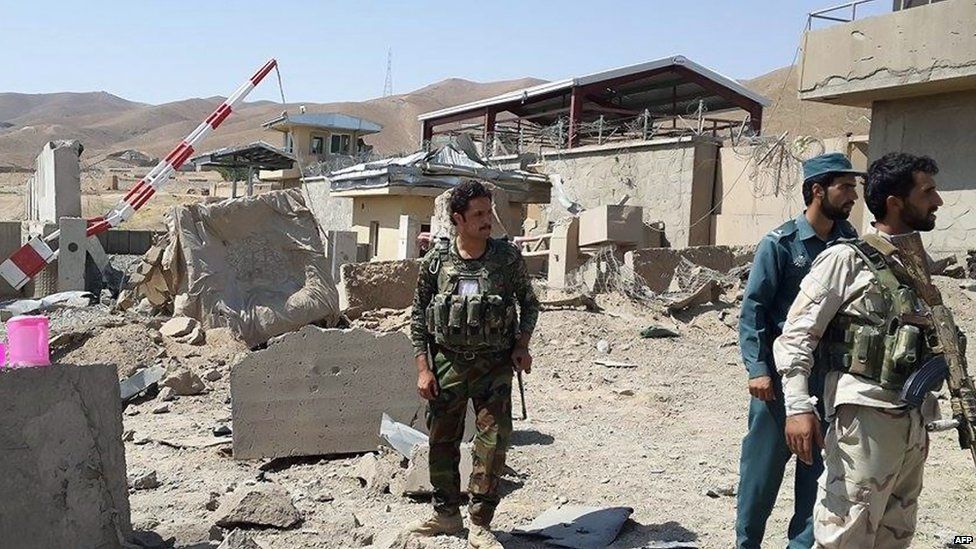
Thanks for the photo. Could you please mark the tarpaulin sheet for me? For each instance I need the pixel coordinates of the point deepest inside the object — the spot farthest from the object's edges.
(256, 265)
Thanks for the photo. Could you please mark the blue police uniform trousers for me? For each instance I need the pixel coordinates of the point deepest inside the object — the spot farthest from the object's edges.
(761, 469)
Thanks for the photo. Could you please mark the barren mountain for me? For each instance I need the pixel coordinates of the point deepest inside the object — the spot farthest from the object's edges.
(105, 123)
(804, 117)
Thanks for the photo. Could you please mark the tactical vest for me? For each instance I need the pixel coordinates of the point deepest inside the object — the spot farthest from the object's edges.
(464, 315)
(890, 349)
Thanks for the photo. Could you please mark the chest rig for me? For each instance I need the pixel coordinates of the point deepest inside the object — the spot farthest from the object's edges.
(470, 312)
(896, 341)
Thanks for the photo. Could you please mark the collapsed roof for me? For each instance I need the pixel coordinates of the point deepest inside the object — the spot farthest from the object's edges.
(430, 173)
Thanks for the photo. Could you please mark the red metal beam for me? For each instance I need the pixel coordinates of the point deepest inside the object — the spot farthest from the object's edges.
(614, 82)
(489, 129)
(752, 107)
(602, 105)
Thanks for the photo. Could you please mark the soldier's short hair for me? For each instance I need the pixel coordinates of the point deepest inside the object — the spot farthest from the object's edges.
(464, 193)
(824, 180)
(893, 175)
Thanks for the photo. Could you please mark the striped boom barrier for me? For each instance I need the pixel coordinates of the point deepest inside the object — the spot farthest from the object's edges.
(32, 257)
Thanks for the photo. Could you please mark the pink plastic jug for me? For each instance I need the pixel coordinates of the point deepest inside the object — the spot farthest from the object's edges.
(27, 341)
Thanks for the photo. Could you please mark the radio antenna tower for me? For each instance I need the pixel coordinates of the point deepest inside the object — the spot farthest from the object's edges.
(388, 86)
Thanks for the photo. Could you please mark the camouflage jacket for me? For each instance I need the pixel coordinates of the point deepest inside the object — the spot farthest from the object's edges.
(508, 277)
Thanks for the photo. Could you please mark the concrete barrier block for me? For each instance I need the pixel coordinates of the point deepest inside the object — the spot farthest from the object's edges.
(64, 481)
(320, 392)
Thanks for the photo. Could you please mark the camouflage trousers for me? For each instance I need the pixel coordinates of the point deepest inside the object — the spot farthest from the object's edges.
(868, 494)
(485, 379)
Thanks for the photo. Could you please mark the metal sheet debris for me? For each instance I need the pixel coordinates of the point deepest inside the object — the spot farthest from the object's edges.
(402, 438)
(578, 526)
(140, 381)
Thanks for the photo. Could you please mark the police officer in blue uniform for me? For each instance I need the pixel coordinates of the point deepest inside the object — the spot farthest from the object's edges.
(782, 259)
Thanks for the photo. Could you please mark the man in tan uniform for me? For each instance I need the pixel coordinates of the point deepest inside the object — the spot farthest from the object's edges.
(868, 327)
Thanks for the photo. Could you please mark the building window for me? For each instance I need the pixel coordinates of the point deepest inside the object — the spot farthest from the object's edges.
(317, 145)
(374, 238)
(289, 142)
(340, 143)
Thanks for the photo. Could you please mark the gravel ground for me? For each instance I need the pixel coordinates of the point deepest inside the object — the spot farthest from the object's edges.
(656, 437)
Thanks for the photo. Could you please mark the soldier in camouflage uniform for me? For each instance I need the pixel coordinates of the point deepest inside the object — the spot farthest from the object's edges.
(858, 309)
(474, 312)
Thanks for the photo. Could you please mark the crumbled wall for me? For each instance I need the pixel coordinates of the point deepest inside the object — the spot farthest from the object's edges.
(377, 285)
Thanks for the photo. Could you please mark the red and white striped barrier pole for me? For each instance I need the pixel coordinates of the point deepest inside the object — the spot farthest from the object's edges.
(32, 257)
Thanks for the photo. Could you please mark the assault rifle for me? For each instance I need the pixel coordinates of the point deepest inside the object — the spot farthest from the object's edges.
(947, 347)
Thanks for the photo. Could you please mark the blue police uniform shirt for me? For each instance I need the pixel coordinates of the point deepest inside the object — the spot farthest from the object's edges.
(782, 259)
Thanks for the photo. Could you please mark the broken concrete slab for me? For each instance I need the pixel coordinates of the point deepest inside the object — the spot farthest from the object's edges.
(64, 481)
(256, 265)
(259, 506)
(317, 392)
(578, 526)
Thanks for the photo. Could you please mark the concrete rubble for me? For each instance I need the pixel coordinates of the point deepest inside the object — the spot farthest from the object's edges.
(256, 265)
(260, 506)
(293, 398)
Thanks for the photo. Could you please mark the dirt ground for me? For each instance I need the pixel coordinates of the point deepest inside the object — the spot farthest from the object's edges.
(655, 437)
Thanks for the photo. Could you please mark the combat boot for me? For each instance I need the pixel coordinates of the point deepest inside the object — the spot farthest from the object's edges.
(480, 537)
(438, 524)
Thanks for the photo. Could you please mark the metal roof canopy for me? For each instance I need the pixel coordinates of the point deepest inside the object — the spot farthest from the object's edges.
(672, 85)
(325, 120)
(258, 155)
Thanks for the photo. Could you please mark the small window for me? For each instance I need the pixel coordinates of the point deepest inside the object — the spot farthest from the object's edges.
(289, 142)
(374, 238)
(317, 145)
(339, 143)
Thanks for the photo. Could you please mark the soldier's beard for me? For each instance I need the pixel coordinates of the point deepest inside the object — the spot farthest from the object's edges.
(917, 220)
(835, 213)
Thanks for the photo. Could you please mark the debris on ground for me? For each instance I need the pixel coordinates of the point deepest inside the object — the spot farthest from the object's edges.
(140, 381)
(145, 481)
(256, 265)
(614, 364)
(577, 526)
(259, 506)
(655, 331)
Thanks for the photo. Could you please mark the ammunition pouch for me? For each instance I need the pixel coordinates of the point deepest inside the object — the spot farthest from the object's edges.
(471, 322)
(888, 352)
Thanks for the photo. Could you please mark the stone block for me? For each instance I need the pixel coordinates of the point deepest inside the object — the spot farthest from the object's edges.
(564, 256)
(341, 250)
(64, 481)
(622, 225)
(55, 190)
(72, 254)
(9, 243)
(377, 285)
(321, 392)
(407, 235)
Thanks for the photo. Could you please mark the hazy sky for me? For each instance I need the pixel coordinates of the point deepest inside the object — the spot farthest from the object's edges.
(157, 51)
